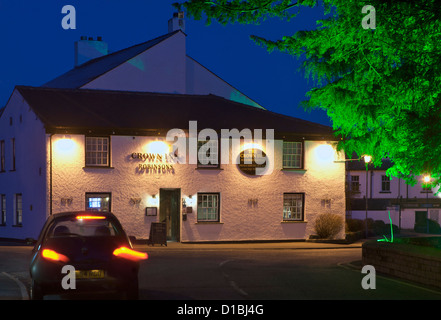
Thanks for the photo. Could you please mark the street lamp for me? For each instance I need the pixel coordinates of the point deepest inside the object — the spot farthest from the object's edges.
(367, 159)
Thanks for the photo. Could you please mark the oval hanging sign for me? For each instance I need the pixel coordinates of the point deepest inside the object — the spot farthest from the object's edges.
(251, 159)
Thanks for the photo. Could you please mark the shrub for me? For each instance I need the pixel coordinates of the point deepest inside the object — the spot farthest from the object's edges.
(328, 225)
(354, 225)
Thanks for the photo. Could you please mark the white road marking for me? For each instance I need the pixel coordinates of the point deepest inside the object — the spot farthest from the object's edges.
(23, 291)
(231, 282)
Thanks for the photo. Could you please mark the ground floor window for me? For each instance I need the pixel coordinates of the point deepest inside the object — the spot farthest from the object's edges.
(2, 209)
(293, 206)
(18, 209)
(208, 207)
(98, 201)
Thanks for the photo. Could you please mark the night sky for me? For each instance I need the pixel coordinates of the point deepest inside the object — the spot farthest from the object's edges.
(35, 48)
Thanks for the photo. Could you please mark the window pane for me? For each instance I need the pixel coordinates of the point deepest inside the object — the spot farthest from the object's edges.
(293, 206)
(97, 151)
(292, 154)
(98, 201)
(208, 207)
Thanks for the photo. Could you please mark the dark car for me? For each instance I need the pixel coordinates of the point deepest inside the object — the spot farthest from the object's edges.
(94, 246)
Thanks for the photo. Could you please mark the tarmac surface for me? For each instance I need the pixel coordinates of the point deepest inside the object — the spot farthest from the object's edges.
(11, 288)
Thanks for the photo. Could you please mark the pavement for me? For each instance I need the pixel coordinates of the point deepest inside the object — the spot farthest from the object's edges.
(283, 245)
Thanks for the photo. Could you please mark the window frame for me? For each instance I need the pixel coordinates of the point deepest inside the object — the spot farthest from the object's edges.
(101, 195)
(2, 209)
(18, 209)
(302, 155)
(2, 156)
(385, 182)
(357, 189)
(13, 150)
(302, 199)
(208, 166)
(91, 165)
(217, 220)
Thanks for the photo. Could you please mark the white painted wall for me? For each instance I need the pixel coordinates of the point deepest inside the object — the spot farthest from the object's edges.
(239, 221)
(29, 178)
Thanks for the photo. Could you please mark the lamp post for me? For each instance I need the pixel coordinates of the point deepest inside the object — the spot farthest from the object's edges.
(367, 159)
(426, 180)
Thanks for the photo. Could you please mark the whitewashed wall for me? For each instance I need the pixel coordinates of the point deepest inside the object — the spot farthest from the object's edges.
(238, 220)
(29, 178)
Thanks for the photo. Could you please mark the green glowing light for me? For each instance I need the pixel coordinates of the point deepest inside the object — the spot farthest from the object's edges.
(391, 232)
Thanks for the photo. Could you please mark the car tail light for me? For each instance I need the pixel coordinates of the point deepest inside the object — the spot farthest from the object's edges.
(90, 217)
(54, 256)
(130, 254)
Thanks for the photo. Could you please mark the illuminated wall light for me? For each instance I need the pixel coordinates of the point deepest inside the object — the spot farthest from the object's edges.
(325, 153)
(189, 201)
(247, 146)
(158, 147)
(64, 145)
(153, 200)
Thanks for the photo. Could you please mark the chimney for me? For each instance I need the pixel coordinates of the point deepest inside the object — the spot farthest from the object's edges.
(87, 49)
(177, 22)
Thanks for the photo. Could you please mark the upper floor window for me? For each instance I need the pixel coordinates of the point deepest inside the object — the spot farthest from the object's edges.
(2, 155)
(355, 183)
(385, 183)
(208, 154)
(97, 151)
(13, 154)
(292, 155)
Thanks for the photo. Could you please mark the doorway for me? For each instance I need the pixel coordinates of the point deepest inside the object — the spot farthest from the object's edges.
(420, 221)
(169, 212)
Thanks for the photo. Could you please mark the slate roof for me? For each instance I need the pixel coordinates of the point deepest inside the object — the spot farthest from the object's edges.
(90, 70)
(140, 113)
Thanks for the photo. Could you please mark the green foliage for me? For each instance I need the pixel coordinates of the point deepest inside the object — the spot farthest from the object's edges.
(380, 87)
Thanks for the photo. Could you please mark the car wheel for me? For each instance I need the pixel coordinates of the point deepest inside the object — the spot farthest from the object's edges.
(36, 291)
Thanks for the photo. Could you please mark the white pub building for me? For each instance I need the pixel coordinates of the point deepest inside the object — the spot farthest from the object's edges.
(134, 132)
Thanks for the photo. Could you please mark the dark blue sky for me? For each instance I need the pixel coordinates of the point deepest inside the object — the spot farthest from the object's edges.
(35, 48)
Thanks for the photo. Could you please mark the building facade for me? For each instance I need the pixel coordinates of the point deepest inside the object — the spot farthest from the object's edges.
(153, 136)
(409, 206)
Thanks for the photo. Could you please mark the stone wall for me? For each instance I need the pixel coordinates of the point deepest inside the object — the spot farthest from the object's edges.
(415, 263)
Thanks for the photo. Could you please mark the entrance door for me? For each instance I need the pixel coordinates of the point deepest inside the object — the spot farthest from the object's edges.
(420, 221)
(169, 211)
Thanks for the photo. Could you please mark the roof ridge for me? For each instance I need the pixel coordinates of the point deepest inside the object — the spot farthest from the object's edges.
(164, 36)
(98, 66)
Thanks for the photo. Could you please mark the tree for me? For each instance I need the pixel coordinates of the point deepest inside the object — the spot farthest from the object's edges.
(380, 86)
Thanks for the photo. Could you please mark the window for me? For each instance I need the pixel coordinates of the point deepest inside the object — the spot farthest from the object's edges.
(293, 206)
(97, 151)
(98, 201)
(2, 209)
(385, 183)
(18, 209)
(208, 154)
(355, 183)
(13, 154)
(208, 207)
(2, 155)
(292, 155)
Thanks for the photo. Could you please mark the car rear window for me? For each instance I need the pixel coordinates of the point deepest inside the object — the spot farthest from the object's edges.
(82, 227)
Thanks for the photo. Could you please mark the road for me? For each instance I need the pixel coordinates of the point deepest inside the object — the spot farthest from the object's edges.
(239, 275)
